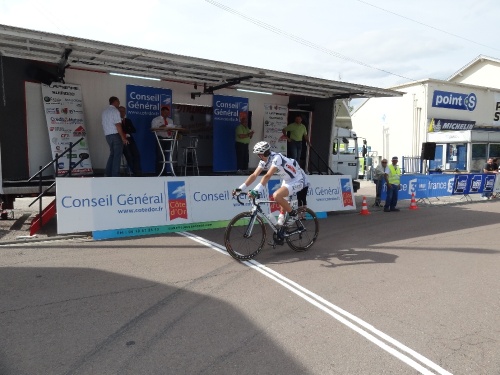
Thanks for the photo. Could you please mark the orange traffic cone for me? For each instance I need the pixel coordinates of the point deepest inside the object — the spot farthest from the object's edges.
(364, 208)
(413, 203)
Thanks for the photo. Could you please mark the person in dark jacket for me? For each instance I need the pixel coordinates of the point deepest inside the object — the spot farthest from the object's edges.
(130, 150)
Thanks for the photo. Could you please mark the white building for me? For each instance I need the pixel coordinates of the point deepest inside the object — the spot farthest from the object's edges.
(460, 115)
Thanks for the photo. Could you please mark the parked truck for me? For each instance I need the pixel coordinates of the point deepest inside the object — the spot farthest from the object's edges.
(346, 157)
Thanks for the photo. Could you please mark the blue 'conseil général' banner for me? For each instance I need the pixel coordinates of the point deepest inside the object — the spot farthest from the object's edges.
(143, 105)
(227, 111)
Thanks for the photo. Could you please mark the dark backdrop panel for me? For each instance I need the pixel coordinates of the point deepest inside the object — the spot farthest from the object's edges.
(13, 132)
(320, 129)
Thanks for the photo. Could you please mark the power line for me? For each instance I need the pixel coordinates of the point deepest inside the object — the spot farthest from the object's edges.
(301, 40)
(429, 26)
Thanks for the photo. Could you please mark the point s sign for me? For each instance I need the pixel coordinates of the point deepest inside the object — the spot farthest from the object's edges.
(454, 100)
(496, 114)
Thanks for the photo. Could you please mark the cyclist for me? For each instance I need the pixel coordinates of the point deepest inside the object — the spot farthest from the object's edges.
(275, 163)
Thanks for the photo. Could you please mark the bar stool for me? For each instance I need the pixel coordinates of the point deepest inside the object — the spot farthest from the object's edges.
(190, 157)
(167, 147)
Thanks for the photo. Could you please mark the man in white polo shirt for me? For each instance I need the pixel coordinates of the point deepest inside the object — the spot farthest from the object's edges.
(112, 126)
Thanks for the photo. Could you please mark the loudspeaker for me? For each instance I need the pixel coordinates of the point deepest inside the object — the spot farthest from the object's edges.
(428, 150)
(37, 74)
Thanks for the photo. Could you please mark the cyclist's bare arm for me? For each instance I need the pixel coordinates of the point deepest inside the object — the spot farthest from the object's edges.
(265, 179)
(249, 181)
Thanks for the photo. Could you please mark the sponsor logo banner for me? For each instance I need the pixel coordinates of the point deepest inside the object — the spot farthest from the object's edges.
(439, 124)
(474, 183)
(346, 188)
(275, 120)
(496, 112)
(66, 125)
(454, 100)
(177, 206)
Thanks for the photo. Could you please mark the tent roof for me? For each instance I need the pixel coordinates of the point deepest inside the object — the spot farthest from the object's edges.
(207, 75)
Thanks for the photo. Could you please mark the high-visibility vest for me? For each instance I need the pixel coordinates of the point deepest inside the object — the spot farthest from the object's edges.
(394, 175)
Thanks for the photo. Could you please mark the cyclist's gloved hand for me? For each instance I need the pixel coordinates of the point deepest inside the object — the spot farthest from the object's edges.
(236, 191)
(253, 194)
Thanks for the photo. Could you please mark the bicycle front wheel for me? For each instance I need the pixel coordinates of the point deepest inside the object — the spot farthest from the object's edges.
(245, 236)
(303, 232)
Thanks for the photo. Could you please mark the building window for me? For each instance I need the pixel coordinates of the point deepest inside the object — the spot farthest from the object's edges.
(479, 156)
(494, 150)
(456, 156)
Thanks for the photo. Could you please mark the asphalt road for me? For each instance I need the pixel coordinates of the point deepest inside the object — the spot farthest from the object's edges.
(416, 291)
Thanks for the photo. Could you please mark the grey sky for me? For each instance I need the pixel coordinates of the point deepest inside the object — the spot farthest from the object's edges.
(374, 41)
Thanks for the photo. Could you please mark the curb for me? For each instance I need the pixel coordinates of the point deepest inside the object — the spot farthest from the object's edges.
(34, 239)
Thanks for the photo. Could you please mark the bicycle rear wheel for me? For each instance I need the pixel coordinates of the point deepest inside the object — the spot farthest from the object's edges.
(303, 232)
(243, 238)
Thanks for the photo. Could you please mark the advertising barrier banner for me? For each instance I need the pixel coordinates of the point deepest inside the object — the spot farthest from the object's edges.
(110, 209)
(441, 185)
(473, 184)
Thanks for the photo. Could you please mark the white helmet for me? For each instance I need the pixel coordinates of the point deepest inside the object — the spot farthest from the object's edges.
(261, 147)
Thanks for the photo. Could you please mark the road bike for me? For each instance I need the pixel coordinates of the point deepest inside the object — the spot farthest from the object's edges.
(246, 233)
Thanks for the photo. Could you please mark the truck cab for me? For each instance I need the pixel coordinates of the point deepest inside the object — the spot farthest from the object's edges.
(345, 159)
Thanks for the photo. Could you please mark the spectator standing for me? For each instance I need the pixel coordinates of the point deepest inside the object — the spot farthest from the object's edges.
(378, 178)
(392, 178)
(112, 126)
(243, 136)
(130, 151)
(298, 132)
(491, 167)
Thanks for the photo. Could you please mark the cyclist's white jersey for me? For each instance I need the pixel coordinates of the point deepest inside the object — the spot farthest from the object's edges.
(306, 179)
(287, 169)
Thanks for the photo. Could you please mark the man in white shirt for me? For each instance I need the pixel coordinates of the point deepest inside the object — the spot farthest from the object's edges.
(379, 179)
(164, 121)
(112, 126)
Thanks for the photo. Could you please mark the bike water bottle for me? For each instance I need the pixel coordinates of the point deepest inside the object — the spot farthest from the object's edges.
(272, 218)
(281, 217)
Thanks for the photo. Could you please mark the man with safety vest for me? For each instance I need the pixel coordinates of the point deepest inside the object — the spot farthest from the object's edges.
(392, 178)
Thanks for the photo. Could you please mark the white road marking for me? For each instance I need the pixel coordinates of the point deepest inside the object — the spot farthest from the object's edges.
(363, 328)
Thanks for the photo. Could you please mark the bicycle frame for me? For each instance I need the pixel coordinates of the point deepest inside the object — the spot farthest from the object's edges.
(256, 210)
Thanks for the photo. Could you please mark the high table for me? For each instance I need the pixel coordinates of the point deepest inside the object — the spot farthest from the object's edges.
(168, 146)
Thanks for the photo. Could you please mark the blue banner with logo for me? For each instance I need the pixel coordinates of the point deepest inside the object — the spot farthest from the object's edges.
(143, 105)
(454, 100)
(441, 185)
(227, 111)
(473, 183)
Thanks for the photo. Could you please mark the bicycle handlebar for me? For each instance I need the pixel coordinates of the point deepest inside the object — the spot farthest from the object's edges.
(244, 193)
(238, 194)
